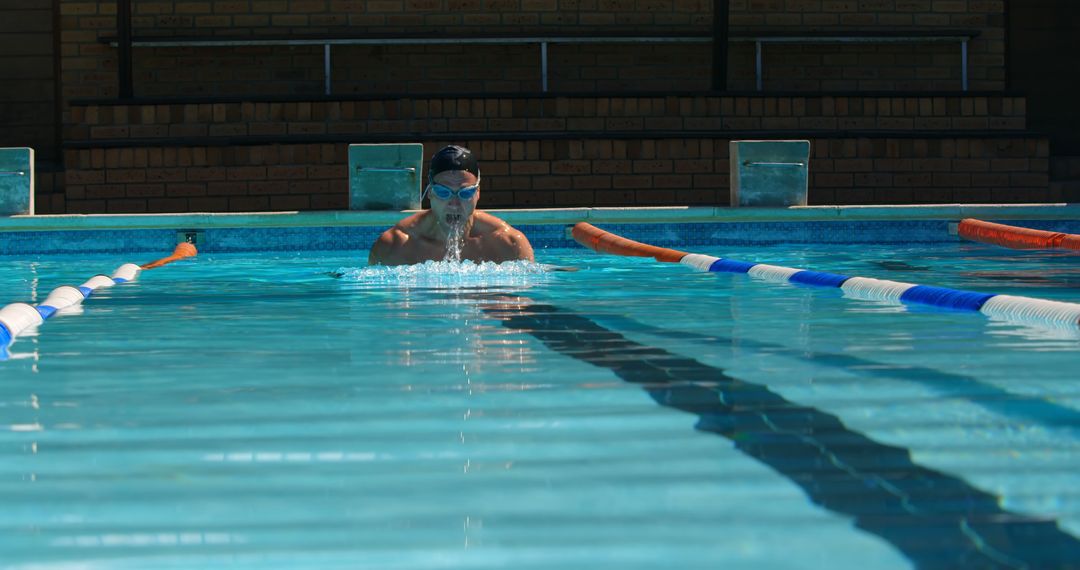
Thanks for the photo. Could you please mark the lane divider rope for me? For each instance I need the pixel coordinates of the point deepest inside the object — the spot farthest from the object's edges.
(998, 306)
(1015, 237)
(15, 318)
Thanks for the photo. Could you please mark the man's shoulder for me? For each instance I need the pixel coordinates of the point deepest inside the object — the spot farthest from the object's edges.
(405, 228)
(393, 236)
(391, 246)
(509, 241)
(386, 248)
(410, 224)
(489, 224)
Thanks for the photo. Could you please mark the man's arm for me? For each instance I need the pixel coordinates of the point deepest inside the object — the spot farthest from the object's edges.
(387, 249)
(514, 246)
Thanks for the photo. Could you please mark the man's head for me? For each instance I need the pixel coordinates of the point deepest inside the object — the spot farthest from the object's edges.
(453, 185)
(453, 157)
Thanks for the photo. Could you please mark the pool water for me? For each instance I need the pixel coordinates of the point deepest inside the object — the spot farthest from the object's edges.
(298, 411)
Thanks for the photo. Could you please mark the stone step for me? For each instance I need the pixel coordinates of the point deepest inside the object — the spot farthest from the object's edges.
(523, 116)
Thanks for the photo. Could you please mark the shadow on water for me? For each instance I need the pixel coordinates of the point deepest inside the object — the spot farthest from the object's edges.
(1059, 279)
(937, 520)
(890, 265)
(1022, 407)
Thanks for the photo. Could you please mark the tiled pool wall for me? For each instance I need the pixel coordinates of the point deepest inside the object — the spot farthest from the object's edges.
(543, 236)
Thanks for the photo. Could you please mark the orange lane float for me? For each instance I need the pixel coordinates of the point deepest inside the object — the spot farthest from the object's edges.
(1016, 237)
(600, 241)
(182, 250)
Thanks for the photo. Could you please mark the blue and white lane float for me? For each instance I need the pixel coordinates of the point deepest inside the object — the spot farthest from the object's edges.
(16, 318)
(1008, 307)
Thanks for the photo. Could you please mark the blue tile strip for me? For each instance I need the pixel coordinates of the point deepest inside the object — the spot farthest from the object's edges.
(86, 241)
(542, 236)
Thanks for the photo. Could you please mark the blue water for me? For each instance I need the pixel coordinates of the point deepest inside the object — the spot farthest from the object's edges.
(251, 411)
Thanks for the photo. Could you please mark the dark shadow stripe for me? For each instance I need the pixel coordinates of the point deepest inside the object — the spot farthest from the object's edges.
(467, 136)
(993, 398)
(938, 521)
(419, 96)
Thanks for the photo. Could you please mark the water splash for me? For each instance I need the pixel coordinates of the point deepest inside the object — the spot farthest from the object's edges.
(449, 274)
(455, 242)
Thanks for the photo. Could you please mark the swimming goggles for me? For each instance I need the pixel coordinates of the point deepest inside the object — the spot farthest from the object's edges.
(445, 192)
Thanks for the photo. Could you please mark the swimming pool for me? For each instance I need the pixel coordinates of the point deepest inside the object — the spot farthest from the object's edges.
(246, 409)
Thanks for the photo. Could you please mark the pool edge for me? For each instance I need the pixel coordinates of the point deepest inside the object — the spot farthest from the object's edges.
(332, 218)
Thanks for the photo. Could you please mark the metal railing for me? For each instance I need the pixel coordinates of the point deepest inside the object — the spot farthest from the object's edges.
(719, 37)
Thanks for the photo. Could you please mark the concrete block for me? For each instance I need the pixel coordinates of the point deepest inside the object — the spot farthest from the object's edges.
(16, 181)
(772, 174)
(385, 176)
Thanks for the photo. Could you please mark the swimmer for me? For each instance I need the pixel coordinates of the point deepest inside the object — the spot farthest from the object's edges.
(453, 229)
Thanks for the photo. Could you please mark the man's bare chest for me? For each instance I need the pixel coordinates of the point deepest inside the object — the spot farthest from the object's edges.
(422, 250)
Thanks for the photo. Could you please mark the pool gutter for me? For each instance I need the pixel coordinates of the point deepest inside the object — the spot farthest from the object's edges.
(1059, 211)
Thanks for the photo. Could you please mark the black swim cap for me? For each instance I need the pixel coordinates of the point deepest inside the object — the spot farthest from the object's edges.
(453, 157)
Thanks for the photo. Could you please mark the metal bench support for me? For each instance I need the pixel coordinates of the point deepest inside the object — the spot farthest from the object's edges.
(542, 42)
(760, 41)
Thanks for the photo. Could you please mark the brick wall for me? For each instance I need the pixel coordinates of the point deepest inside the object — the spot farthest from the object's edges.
(274, 153)
(539, 116)
(560, 173)
(89, 66)
(933, 170)
(1043, 45)
(877, 67)
(208, 179)
(28, 99)
(554, 151)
